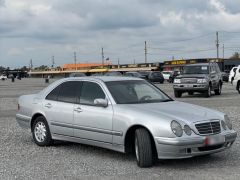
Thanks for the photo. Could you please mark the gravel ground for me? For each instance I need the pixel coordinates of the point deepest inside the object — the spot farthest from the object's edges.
(20, 158)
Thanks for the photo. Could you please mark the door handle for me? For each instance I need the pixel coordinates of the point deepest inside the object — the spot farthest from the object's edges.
(78, 109)
(48, 105)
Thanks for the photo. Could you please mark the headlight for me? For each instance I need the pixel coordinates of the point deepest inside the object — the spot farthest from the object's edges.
(176, 128)
(187, 130)
(201, 81)
(178, 81)
(228, 122)
(223, 125)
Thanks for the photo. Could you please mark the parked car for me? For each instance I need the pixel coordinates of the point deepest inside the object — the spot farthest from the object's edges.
(144, 74)
(3, 77)
(232, 74)
(166, 75)
(236, 81)
(173, 75)
(202, 78)
(225, 76)
(134, 74)
(156, 76)
(78, 74)
(123, 114)
(113, 73)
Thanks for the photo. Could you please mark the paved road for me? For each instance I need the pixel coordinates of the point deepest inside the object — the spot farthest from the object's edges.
(20, 158)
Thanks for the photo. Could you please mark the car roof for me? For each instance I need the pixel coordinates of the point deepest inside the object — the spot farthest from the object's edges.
(105, 78)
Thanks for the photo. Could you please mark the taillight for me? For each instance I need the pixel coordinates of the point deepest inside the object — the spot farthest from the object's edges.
(18, 107)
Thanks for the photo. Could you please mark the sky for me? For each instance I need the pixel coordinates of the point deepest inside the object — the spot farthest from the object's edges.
(41, 29)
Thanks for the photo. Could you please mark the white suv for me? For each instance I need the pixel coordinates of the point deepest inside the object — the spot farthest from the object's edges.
(236, 81)
(3, 77)
(232, 74)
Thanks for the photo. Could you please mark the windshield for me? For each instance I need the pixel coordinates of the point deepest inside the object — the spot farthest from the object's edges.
(135, 91)
(196, 70)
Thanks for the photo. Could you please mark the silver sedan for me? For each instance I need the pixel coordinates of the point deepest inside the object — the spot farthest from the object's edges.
(126, 115)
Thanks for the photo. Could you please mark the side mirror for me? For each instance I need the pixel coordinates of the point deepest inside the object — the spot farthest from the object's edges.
(101, 102)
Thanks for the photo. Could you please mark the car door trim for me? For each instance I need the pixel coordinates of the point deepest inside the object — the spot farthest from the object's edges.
(85, 128)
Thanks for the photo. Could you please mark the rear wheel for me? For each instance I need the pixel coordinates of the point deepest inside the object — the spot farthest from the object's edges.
(177, 94)
(218, 91)
(41, 133)
(143, 148)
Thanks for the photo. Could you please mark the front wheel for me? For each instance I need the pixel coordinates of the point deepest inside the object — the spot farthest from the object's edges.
(207, 93)
(238, 87)
(177, 94)
(41, 133)
(143, 148)
(218, 91)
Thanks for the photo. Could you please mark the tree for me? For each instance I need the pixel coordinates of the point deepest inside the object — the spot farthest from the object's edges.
(236, 55)
(41, 68)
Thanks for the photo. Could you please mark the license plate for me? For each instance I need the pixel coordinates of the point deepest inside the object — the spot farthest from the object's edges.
(214, 140)
(188, 85)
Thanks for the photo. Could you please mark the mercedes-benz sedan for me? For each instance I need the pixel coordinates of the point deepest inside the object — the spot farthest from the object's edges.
(123, 114)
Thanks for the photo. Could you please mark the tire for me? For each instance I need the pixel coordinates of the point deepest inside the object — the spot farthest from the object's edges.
(41, 133)
(207, 93)
(143, 148)
(218, 91)
(190, 93)
(238, 87)
(177, 94)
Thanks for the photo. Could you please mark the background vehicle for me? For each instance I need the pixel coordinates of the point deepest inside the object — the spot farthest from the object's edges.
(236, 81)
(78, 74)
(123, 114)
(225, 76)
(166, 74)
(202, 78)
(173, 75)
(144, 74)
(232, 74)
(134, 74)
(3, 77)
(113, 73)
(156, 76)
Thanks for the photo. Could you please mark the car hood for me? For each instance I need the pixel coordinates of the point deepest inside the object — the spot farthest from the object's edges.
(175, 110)
(192, 76)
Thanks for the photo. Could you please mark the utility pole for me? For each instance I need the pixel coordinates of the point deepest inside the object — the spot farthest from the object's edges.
(118, 63)
(102, 57)
(30, 65)
(134, 61)
(223, 51)
(75, 60)
(53, 62)
(217, 44)
(145, 50)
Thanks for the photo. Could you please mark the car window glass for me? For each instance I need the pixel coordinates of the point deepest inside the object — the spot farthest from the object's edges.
(53, 94)
(90, 92)
(68, 91)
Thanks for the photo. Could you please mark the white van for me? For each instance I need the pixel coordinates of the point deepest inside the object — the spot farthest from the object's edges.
(231, 74)
(236, 81)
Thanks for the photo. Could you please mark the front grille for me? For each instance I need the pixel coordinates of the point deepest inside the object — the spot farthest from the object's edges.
(208, 127)
(188, 80)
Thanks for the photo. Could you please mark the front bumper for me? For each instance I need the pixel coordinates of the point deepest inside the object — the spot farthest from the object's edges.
(185, 147)
(190, 87)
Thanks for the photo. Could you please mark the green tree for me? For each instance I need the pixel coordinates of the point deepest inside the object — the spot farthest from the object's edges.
(236, 55)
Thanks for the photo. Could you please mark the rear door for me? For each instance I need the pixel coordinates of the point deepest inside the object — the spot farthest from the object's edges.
(58, 107)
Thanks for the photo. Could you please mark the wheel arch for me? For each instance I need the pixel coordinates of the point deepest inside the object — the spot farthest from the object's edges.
(129, 138)
(35, 116)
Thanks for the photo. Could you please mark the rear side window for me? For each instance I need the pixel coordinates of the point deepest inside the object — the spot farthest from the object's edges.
(90, 92)
(53, 95)
(66, 92)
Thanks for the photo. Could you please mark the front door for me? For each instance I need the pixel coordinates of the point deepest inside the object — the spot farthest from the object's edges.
(92, 122)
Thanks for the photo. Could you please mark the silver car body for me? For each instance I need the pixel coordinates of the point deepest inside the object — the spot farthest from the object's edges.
(107, 126)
